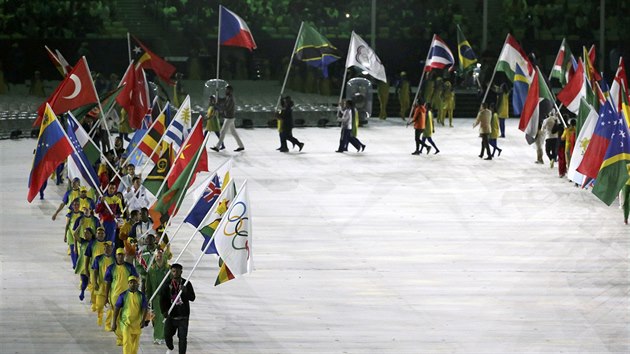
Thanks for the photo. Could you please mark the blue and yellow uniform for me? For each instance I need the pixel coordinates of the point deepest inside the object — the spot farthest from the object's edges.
(133, 306)
(117, 275)
(99, 268)
(71, 217)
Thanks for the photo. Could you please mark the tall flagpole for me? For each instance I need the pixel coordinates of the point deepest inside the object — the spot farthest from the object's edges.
(345, 72)
(100, 107)
(485, 95)
(421, 76)
(219, 44)
(129, 47)
(198, 260)
(286, 76)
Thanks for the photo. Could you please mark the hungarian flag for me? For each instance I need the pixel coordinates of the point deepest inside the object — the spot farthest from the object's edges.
(613, 173)
(574, 91)
(314, 49)
(233, 31)
(194, 143)
(134, 98)
(149, 142)
(156, 177)
(76, 90)
(563, 65)
(169, 201)
(538, 104)
(514, 63)
(145, 58)
(53, 147)
(467, 57)
(597, 147)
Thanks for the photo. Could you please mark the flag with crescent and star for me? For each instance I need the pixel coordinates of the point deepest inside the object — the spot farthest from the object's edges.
(76, 90)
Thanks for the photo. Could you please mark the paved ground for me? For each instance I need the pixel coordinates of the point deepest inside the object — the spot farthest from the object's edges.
(379, 252)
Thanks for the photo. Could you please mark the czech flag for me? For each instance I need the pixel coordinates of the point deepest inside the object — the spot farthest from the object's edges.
(53, 147)
(233, 31)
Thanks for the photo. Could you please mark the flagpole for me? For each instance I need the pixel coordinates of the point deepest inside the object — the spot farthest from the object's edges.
(129, 47)
(421, 76)
(100, 107)
(170, 219)
(485, 95)
(99, 150)
(345, 73)
(286, 76)
(219, 45)
(539, 73)
(199, 227)
(85, 168)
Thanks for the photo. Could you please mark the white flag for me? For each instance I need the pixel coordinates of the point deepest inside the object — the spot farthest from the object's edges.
(180, 126)
(233, 235)
(362, 56)
(581, 143)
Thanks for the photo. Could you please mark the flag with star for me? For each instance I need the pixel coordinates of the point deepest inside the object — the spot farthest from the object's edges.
(211, 191)
(193, 143)
(214, 215)
(135, 155)
(180, 126)
(78, 165)
(90, 149)
(145, 58)
(613, 173)
(158, 173)
(598, 146)
(53, 147)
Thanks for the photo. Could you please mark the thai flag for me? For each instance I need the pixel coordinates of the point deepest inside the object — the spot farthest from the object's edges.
(439, 55)
(233, 31)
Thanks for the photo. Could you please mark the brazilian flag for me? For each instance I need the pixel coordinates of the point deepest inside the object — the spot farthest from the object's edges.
(315, 49)
(467, 57)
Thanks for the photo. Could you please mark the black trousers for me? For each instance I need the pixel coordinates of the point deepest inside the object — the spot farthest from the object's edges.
(485, 145)
(181, 327)
(551, 148)
(284, 136)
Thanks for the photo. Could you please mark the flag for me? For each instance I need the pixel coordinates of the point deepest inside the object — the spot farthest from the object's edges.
(78, 165)
(439, 56)
(169, 201)
(620, 81)
(91, 150)
(234, 31)
(519, 90)
(224, 275)
(53, 147)
(233, 237)
(180, 126)
(132, 153)
(53, 57)
(149, 142)
(589, 67)
(587, 119)
(76, 90)
(314, 49)
(362, 56)
(194, 142)
(538, 104)
(563, 64)
(210, 193)
(214, 216)
(574, 91)
(467, 57)
(598, 145)
(158, 173)
(145, 58)
(613, 173)
(134, 98)
(625, 107)
(513, 56)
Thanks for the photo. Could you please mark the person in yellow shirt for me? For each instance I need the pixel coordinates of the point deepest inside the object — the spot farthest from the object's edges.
(81, 243)
(131, 309)
(448, 102)
(569, 137)
(99, 267)
(494, 133)
(68, 237)
(116, 283)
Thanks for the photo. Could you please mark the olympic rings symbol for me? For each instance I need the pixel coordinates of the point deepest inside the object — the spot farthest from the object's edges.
(237, 223)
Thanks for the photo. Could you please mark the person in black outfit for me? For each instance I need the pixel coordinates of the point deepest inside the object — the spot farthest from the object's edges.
(286, 127)
(177, 320)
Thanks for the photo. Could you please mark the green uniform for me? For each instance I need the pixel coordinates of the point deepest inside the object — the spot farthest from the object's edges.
(154, 277)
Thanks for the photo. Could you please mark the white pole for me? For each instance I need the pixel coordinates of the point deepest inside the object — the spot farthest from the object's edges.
(129, 47)
(219, 44)
(286, 76)
(345, 72)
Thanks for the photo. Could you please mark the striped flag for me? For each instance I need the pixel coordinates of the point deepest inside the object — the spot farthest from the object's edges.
(78, 165)
(439, 56)
(538, 104)
(180, 126)
(149, 142)
(91, 151)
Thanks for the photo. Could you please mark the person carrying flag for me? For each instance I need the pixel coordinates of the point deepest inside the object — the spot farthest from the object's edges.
(419, 122)
(177, 320)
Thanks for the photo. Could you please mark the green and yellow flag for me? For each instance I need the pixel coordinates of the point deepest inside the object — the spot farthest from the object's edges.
(467, 57)
(314, 49)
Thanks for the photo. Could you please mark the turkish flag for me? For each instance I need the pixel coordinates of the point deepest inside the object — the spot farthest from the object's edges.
(190, 147)
(134, 98)
(76, 90)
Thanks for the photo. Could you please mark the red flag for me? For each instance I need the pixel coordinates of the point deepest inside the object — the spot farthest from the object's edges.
(134, 98)
(574, 90)
(598, 145)
(76, 90)
(187, 153)
(53, 57)
(149, 60)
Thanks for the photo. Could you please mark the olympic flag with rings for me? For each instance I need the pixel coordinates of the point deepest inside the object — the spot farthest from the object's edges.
(233, 235)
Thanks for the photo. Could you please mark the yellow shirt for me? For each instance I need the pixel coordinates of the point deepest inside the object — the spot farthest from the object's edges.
(132, 305)
(102, 263)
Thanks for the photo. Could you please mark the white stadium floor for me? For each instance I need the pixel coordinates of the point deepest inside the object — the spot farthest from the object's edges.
(375, 252)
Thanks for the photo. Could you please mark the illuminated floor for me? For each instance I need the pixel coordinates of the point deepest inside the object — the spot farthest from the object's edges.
(378, 252)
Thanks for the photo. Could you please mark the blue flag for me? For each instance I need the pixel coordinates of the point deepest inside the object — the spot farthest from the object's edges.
(78, 165)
